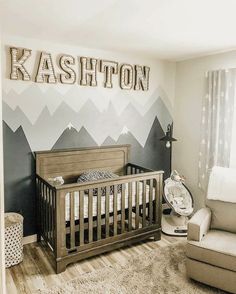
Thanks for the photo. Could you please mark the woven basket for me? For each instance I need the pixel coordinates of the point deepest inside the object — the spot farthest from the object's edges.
(13, 239)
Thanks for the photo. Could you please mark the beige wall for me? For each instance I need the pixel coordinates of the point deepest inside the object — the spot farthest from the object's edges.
(190, 85)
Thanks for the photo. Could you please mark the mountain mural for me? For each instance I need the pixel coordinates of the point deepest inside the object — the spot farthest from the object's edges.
(44, 118)
(33, 98)
(19, 161)
(47, 129)
(153, 154)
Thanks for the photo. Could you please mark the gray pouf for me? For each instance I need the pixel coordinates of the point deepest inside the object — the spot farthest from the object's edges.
(13, 239)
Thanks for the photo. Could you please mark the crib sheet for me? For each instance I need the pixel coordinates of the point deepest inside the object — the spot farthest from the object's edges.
(76, 201)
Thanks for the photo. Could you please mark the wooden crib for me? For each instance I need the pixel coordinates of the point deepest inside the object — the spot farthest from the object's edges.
(72, 231)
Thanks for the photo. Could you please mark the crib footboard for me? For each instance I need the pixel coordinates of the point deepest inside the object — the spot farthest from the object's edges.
(76, 224)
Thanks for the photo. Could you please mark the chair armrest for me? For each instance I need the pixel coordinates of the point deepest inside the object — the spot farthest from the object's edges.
(199, 224)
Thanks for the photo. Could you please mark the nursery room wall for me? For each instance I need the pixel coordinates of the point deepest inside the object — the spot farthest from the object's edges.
(190, 90)
(54, 116)
(2, 246)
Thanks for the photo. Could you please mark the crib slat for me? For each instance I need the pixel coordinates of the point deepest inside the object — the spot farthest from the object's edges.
(62, 219)
(129, 170)
(40, 209)
(72, 220)
(115, 210)
(45, 212)
(159, 210)
(130, 197)
(90, 215)
(81, 217)
(37, 204)
(157, 193)
(144, 203)
(150, 201)
(99, 214)
(107, 210)
(50, 215)
(53, 218)
(123, 208)
(137, 206)
(43, 209)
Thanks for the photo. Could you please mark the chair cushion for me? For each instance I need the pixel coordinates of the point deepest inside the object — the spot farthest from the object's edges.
(217, 248)
(222, 215)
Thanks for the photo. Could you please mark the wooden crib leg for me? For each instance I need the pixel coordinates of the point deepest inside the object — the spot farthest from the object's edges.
(157, 236)
(154, 211)
(60, 267)
(38, 237)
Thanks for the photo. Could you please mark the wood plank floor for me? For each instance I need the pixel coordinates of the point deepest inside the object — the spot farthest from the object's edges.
(36, 272)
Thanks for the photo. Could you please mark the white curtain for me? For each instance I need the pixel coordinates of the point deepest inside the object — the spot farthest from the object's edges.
(217, 122)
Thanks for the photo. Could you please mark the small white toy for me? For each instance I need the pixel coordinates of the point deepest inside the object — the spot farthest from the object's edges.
(57, 181)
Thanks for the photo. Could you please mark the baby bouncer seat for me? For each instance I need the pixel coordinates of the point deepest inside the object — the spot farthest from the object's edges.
(178, 206)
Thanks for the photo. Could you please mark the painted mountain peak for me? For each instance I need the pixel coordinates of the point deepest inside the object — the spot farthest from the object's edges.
(19, 170)
(71, 138)
(48, 127)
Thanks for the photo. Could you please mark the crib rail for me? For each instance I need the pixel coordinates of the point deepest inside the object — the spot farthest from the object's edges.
(133, 169)
(128, 211)
(72, 220)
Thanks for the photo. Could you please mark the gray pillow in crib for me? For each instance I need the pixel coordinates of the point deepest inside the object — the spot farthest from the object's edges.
(95, 175)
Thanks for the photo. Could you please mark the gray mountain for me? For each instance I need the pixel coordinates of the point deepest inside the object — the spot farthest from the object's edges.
(109, 141)
(159, 110)
(158, 157)
(153, 155)
(48, 128)
(19, 177)
(136, 154)
(71, 138)
(14, 118)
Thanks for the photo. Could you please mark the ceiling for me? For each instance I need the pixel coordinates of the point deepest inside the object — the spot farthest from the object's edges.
(166, 29)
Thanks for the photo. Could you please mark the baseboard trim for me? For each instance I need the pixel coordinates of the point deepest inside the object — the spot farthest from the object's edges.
(29, 239)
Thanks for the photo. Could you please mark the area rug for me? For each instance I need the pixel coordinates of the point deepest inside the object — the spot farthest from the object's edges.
(160, 271)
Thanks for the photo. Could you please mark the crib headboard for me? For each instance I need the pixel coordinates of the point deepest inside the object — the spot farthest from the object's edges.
(70, 163)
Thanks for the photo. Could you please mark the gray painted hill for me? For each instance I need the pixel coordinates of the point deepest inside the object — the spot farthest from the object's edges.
(19, 177)
(108, 141)
(158, 155)
(14, 118)
(48, 127)
(71, 138)
(136, 149)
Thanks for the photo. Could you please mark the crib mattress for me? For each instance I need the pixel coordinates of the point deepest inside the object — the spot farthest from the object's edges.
(76, 201)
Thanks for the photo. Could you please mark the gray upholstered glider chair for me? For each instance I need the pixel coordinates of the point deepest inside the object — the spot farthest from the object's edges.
(211, 247)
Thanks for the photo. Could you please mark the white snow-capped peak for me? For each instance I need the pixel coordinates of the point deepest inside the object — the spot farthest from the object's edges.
(125, 130)
(70, 126)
